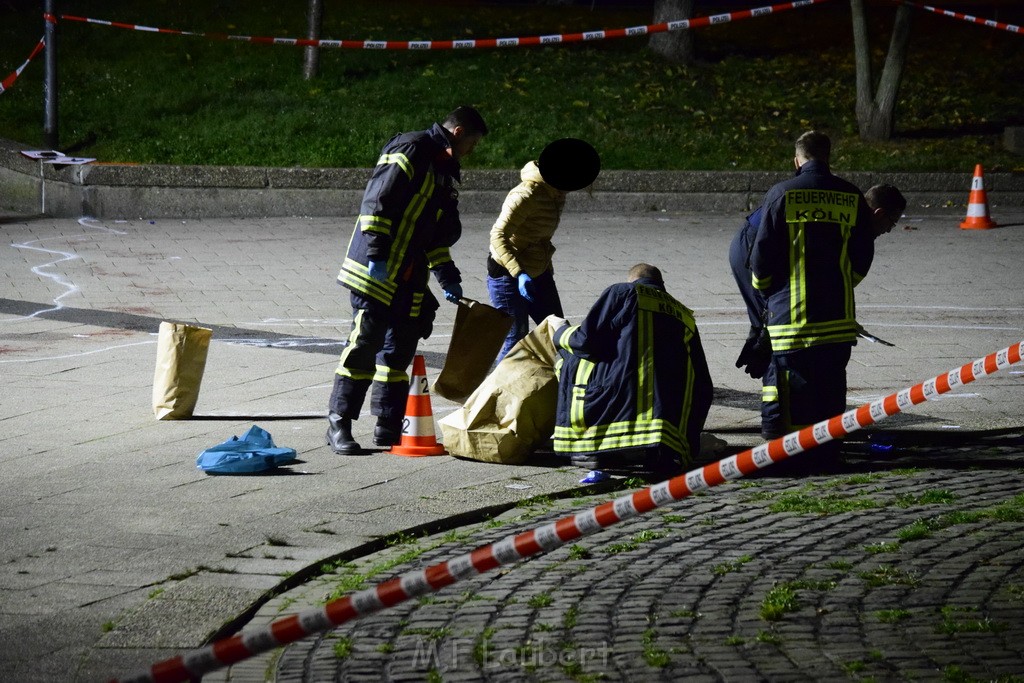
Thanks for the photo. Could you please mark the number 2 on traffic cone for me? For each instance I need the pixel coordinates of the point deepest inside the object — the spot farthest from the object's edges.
(418, 436)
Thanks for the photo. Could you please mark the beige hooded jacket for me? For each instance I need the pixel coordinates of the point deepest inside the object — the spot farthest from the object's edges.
(521, 237)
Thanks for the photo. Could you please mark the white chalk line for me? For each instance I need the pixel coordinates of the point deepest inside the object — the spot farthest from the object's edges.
(292, 343)
(298, 322)
(315, 322)
(71, 287)
(891, 307)
(257, 343)
(875, 324)
(883, 307)
(77, 354)
(302, 342)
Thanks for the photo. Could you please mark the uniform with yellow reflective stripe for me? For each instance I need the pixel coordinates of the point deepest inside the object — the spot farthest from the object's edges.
(408, 219)
(633, 375)
(814, 244)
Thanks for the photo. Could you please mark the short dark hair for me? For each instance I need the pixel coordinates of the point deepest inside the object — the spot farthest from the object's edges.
(814, 145)
(644, 270)
(887, 198)
(467, 117)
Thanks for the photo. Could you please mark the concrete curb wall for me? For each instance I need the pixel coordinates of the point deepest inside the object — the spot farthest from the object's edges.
(160, 191)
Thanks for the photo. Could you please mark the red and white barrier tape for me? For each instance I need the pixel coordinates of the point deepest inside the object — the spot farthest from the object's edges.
(13, 76)
(967, 17)
(477, 43)
(550, 536)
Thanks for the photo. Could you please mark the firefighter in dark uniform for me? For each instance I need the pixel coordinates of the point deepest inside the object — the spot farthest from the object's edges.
(408, 220)
(757, 349)
(814, 244)
(633, 384)
(886, 203)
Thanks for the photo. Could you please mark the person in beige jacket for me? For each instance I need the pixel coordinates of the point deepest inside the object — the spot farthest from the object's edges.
(520, 275)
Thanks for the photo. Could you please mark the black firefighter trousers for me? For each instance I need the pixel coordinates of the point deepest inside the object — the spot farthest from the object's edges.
(804, 387)
(378, 351)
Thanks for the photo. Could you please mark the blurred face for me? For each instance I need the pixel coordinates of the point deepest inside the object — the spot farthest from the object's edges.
(883, 222)
(464, 143)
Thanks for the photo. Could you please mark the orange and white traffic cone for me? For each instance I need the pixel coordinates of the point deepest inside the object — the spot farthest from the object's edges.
(418, 436)
(977, 206)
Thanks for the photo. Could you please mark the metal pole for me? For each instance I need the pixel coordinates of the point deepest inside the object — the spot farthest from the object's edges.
(316, 19)
(50, 132)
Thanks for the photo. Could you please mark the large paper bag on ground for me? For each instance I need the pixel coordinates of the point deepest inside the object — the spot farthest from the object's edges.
(180, 360)
(477, 337)
(513, 411)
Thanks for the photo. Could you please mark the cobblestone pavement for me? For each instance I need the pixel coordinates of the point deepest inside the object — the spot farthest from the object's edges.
(904, 567)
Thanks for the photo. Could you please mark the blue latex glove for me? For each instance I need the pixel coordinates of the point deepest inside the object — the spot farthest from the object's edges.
(524, 286)
(379, 270)
(453, 293)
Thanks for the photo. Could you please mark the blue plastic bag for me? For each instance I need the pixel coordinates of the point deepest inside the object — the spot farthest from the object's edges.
(254, 452)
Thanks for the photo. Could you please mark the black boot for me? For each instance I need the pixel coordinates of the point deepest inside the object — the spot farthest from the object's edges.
(339, 435)
(387, 433)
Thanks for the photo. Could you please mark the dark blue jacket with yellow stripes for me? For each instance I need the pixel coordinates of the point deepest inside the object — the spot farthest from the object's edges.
(633, 375)
(813, 246)
(409, 218)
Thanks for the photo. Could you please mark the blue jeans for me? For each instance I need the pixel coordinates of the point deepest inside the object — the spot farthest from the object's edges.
(505, 296)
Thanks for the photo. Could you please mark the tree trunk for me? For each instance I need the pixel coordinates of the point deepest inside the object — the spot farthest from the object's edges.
(675, 46)
(876, 110)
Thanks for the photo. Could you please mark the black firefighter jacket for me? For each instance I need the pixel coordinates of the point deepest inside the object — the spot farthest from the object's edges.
(633, 375)
(409, 218)
(813, 246)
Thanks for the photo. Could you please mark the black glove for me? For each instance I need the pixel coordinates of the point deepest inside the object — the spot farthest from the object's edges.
(756, 353)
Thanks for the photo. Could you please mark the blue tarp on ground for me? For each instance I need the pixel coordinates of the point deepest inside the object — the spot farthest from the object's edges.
(254, 452)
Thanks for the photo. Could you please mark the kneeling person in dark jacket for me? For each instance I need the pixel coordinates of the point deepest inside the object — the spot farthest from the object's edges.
(633, 382)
